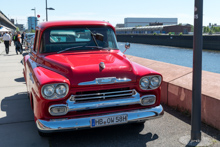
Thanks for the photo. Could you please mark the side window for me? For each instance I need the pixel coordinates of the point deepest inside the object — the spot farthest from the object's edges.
(34, 41)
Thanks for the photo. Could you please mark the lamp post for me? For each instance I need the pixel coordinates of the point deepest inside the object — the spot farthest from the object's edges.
(34, 16)
(197, 71)
(48, 9)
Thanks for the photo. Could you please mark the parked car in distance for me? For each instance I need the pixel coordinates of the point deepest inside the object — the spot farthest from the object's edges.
(77, 78)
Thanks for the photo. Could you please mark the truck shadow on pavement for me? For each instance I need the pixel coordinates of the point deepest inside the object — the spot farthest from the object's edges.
(117, 136)
(16, 108)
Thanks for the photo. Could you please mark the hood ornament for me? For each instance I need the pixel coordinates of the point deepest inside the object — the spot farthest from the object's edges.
(102, 65)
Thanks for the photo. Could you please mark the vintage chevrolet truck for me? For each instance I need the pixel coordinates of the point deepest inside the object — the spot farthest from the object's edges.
(77, 78)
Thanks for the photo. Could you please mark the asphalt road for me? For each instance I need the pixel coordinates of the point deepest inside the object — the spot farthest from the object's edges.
(17, 126)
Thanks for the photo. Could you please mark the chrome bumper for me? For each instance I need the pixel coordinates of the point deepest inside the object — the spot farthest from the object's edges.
(81, 123)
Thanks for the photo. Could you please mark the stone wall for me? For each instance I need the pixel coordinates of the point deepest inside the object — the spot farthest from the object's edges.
(176, 90)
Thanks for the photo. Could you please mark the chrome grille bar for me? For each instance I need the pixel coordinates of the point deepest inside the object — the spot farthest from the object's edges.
(102, 95)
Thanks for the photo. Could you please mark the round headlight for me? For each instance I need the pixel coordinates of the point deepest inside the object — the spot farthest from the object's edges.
(48, 90)
(61, 90)
(144, 83)
(155, 81)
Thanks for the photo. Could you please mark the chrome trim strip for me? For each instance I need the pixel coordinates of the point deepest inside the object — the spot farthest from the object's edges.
(131, 100)
(106, 80)
(102, 95)
(75, 106)
(83, 123)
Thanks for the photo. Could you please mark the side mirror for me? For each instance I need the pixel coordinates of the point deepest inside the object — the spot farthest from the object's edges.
(127, 45)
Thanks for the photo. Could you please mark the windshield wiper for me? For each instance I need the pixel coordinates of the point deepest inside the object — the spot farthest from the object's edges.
(69, 49)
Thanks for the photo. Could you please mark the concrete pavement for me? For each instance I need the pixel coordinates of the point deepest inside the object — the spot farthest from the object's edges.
(17, 127)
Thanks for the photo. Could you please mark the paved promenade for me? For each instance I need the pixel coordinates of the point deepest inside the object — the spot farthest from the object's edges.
(17, 126)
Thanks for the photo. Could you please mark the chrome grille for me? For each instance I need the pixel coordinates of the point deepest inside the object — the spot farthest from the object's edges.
(103, 95)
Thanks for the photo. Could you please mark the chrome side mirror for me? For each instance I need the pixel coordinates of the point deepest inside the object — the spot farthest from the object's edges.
(127, 46)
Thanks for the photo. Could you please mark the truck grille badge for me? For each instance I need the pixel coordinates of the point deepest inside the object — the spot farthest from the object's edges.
(102, 65)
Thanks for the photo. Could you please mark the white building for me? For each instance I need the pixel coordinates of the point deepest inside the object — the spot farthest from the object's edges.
(134, 22)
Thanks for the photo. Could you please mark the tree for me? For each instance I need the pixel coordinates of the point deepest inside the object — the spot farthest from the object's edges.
(17, 29)
(32, 31)
(206, 29)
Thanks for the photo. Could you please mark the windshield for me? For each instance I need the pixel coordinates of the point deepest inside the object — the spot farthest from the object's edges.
(59, 39)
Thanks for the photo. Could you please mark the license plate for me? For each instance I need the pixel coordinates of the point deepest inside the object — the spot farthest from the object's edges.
(105, 121)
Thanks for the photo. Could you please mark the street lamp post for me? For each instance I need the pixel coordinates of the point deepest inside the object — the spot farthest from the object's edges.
(48, 9)
(197, 71)
(34, 16)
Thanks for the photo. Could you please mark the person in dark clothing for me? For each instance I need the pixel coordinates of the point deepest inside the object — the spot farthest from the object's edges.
(18, 47)
(22, 38)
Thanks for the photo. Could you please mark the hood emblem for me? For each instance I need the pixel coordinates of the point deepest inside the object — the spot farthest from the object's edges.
(102, 65)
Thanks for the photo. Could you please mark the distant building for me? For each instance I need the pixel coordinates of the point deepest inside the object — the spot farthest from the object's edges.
(158, 29)
(32, 23)
(20, 26)
(134, 22)
(121, 25)
(176, 29)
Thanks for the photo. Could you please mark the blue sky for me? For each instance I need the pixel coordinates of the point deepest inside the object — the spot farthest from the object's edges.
(113, 11)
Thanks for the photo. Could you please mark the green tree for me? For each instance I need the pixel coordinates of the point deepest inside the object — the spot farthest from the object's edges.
(32, 31)
(17, 29)
(206, 29)
(211, 32)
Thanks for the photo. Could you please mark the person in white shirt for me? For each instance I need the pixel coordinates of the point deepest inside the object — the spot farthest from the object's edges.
(6, 38)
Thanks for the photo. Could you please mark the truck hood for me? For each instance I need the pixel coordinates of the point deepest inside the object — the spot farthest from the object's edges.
(84, 67)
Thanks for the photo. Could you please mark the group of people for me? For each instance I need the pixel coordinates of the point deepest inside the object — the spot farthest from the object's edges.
(18, 40)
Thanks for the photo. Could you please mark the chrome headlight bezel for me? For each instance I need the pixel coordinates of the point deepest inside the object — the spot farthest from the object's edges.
(55, 94)
(150, 86)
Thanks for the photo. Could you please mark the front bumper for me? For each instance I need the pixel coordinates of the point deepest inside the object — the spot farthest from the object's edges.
(82, 123)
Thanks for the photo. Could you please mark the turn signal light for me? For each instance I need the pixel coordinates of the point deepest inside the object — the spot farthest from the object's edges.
(58, 110)
(148, 100)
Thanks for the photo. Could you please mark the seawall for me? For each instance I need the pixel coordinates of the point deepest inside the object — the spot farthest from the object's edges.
(210, 42)
(176, 89)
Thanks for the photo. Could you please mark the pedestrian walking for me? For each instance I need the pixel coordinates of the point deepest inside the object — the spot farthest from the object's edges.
(6, 39)
(18, 47)
(22, 37)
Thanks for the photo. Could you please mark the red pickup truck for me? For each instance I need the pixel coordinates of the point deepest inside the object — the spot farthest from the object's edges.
(77, 78)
